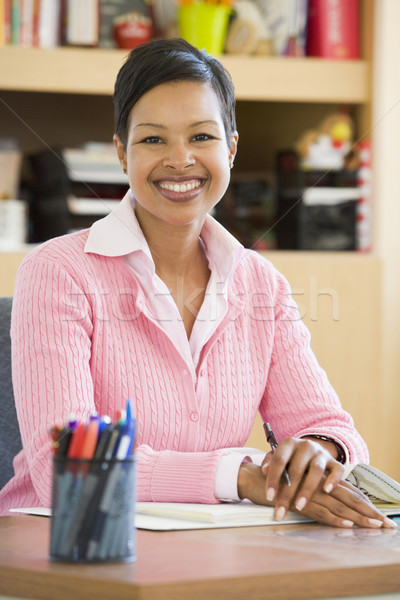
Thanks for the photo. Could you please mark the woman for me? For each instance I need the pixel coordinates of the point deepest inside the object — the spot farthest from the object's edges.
(158, 302)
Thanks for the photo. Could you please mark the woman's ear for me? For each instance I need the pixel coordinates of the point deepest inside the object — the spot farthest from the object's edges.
(233, 148)
(120, 152)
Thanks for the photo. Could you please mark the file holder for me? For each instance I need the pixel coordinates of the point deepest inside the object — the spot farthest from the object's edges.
(320, 225)
(93, 510)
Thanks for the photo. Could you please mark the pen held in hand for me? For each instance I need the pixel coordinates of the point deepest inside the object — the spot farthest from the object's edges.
(274, 444)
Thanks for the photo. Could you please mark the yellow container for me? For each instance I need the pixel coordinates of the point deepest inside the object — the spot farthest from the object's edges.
(204, 25)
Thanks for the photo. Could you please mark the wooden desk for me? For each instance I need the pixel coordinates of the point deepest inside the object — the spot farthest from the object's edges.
(281, 562)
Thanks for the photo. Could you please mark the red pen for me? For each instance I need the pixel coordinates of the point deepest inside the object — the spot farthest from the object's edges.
(77, 441)
(90, 441)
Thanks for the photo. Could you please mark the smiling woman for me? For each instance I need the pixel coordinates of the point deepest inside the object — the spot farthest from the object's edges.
(178, 163)
(158, 302)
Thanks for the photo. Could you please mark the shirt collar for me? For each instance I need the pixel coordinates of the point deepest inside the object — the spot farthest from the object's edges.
(119, 234)
(222, 249)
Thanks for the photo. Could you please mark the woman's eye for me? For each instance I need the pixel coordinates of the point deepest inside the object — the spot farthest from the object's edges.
(152, 139)
(202, 137)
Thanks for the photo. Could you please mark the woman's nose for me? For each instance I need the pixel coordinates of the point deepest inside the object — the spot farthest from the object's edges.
(179, 156)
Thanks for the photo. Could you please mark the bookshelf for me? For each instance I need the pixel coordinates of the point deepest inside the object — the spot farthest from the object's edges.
(276, 79)
(64, 95)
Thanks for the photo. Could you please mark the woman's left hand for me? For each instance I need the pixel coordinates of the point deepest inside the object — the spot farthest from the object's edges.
(309, 465)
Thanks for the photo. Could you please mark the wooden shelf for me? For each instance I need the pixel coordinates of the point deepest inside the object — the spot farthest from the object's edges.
(93, 71)
(311, 80)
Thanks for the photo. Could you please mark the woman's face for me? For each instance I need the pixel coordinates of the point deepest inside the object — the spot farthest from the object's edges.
(177, 156)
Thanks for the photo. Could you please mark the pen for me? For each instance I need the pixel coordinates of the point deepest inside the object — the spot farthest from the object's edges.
(77, 441)
(127, 438)
(90, 440)
(274, 444)
(82, 520)
(64, 440)
(89, 517)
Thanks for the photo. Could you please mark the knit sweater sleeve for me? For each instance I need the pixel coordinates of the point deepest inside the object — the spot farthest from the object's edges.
(50, 332)
(168, 476)
(299, 399)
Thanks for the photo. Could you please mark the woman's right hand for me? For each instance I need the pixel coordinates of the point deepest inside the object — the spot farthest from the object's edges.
(345, 506)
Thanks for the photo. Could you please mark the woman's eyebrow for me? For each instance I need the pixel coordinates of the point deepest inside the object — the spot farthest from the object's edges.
(158, 125)
(205, 122)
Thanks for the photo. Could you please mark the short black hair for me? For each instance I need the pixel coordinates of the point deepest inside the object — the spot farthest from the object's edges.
(162, 61)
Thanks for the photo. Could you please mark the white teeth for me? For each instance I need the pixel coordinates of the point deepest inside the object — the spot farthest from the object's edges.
(183, 187)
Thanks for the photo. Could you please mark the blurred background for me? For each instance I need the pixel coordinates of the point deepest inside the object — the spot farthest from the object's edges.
(314, 187)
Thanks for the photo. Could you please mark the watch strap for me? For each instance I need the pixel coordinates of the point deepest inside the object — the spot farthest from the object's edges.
(341, 457)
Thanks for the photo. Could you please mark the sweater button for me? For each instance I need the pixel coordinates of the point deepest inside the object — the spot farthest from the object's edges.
(194, 417)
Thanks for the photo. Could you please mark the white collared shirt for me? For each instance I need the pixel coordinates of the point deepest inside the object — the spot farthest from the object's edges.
(119, 234)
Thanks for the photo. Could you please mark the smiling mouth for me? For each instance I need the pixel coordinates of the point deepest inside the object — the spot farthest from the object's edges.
(181, 188)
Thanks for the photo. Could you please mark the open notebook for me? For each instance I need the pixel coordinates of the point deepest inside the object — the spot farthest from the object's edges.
(166, 516)
(381, 489)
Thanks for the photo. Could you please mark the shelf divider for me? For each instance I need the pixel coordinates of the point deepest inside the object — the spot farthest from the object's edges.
(279, 79)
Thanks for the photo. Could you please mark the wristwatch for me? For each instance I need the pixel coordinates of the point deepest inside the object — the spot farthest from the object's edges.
(341, 457)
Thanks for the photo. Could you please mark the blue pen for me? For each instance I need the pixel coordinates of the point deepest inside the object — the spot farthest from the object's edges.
(124, 445)
(130, 413)
(103, 424)
(131, 421)
(122, 450)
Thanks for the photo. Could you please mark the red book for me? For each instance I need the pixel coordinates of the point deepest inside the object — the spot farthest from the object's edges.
(35, 23)
(5, 22)
(333, 29)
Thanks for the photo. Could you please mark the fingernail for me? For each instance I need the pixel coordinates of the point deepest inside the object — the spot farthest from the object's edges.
(347, 523)
(328, 488)
(390, 522)
(280, 513)
(301, 502)
(264, 467)
(270, 494)
(375, 522)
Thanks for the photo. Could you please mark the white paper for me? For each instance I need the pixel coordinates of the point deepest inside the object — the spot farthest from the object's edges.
(165, 516)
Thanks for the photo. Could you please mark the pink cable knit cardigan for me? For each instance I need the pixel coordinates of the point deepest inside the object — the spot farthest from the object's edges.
(84, 340)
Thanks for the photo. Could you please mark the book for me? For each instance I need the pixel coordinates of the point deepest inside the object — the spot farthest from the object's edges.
(5, 22)
(26, 23)
(82, 22)
(163, 516)
(381, 489)
(333, 29)
(48, 26)
(15, 22)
